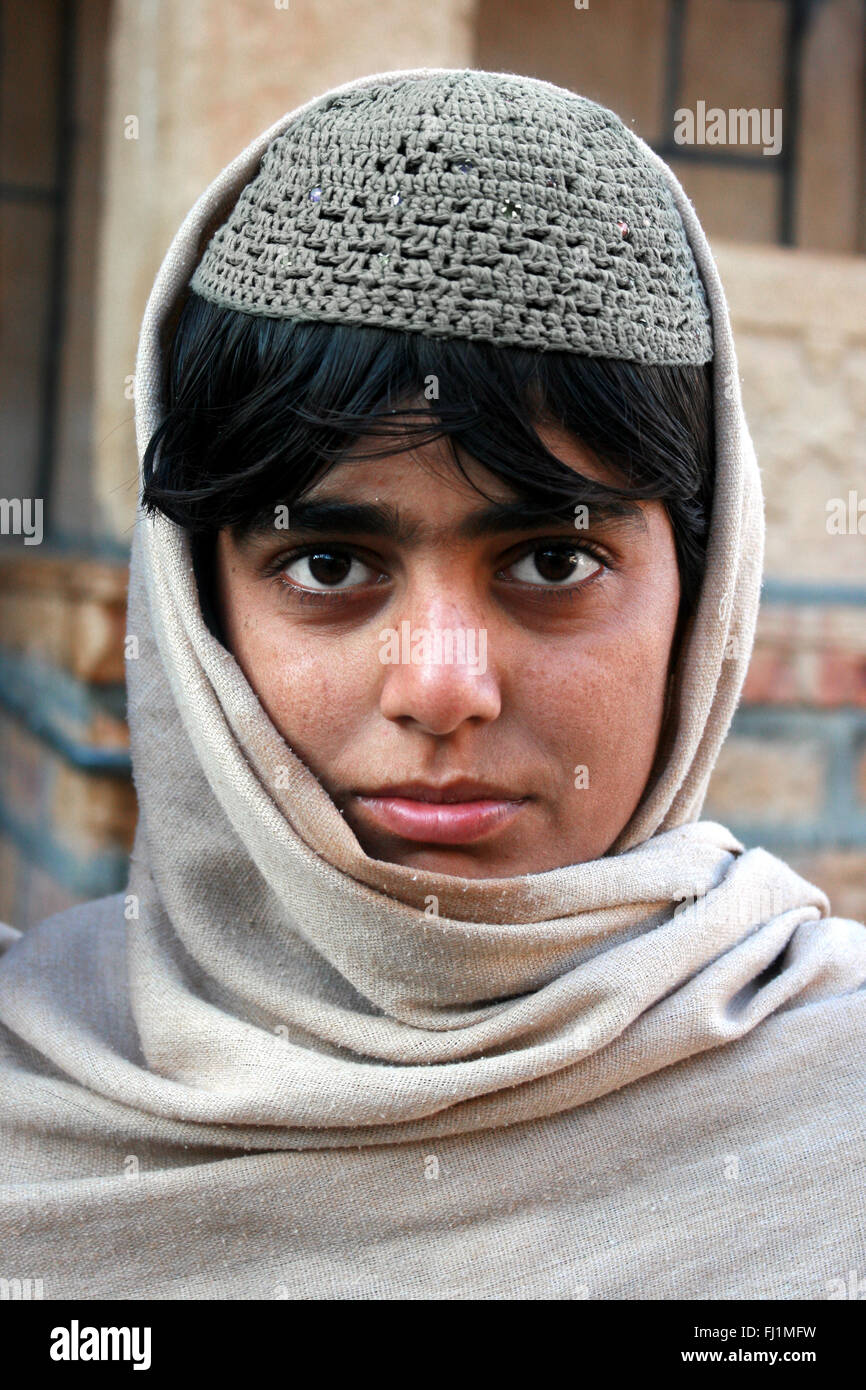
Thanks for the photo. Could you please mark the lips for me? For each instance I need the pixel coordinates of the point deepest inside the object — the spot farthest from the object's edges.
(454, 813)
(446, 793)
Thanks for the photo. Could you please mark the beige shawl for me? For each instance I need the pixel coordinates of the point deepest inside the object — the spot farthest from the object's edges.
(268, 1070)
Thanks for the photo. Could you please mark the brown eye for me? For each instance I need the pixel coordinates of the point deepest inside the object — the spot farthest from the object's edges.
(327, 569)
(562, 566)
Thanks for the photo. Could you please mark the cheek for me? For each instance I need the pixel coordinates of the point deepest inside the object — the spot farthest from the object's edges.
(599, 698)
(315, 691)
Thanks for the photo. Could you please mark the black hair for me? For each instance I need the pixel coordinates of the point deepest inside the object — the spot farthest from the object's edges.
(258, 408)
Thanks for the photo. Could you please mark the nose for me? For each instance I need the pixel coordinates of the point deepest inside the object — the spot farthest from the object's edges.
(437, 672)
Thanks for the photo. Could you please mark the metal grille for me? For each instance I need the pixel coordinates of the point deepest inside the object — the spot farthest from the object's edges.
(799, 14)
(56, 195)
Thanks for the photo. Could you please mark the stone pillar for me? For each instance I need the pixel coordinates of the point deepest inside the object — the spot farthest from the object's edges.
(188, 87)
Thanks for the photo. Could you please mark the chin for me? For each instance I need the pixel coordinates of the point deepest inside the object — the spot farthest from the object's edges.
(455, 862)
(459, 861)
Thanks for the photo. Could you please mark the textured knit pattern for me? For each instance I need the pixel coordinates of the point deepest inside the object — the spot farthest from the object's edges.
(466, 205)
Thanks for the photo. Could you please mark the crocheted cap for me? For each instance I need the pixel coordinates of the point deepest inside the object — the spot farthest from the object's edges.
(466, 204)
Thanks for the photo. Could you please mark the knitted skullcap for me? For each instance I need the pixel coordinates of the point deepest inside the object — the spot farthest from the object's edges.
(466, 204)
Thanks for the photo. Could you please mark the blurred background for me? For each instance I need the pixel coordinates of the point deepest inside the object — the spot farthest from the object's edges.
(116, 114)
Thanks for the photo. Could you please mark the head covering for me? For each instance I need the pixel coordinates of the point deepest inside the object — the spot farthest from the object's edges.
(531, 1091)
(466, 205)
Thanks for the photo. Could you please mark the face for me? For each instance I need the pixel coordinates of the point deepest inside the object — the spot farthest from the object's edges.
(479, 696)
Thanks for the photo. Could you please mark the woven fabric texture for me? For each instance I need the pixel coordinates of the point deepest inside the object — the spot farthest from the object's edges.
(471, 205)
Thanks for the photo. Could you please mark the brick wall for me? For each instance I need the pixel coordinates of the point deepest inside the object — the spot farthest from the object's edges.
(67, 806)
(792, 774)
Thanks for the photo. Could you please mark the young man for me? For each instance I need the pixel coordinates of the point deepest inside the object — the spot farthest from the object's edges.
(429, 982)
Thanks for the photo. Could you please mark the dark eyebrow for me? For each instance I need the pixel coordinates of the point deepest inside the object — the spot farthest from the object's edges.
(501, 518)
(334, 517)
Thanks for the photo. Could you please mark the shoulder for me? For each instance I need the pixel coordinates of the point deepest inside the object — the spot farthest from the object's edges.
(101, 917)
(70, 965)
